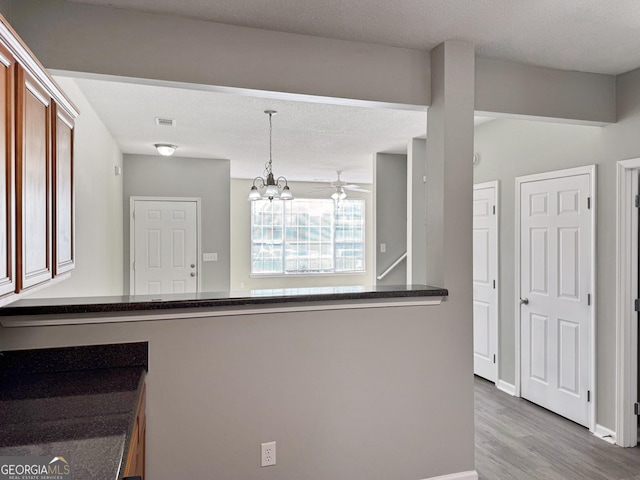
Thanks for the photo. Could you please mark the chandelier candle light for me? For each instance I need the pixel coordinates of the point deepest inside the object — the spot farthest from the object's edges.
(273, 188)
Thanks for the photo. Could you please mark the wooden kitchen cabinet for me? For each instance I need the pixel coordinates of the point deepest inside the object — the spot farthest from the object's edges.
(136, 455)
(36, 184)
(7, 191)
(63, 199)
(33, 182)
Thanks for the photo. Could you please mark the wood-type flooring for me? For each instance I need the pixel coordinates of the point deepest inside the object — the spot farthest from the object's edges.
(517, 440)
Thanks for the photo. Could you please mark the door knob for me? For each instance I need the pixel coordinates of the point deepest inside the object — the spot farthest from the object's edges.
(193, 265)
(524, 301)
(193, 274)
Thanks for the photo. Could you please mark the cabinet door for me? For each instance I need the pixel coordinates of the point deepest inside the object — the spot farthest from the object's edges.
(63, 206)
(7, 193)
(33, 182)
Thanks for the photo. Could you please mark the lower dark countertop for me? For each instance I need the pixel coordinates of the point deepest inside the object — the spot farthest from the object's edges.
(85, 415)
(130, 303)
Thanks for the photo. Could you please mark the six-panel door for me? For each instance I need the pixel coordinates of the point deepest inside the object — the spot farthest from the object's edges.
(555, 235)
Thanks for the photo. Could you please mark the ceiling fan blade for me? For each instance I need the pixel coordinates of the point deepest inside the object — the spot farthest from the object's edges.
(355, 188)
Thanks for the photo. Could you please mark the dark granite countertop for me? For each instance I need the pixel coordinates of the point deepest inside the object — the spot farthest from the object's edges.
(130, 303)
(85, 416)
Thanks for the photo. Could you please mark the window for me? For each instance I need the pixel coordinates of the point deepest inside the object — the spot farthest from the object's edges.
(307, 236)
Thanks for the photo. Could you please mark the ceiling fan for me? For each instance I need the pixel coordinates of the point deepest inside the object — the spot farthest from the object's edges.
(339, 188)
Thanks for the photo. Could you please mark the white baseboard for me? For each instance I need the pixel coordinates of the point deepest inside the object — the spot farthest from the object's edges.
(457, 476)
(605, 434)
(506, 387)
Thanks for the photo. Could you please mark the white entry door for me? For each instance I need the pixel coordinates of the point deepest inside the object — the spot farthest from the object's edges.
(485, 275)
(164, 252)
(555, 290)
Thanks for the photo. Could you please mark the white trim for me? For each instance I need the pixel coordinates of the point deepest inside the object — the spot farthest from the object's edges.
(591, 171)
(472, 475)
(506, 387)
(495, 184)
(169, 314)
(197, 201)
(606, 434)
(626, 292)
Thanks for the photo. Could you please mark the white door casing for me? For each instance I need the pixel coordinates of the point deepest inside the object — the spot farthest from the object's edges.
(485, 280)
(627, 238)
(164, 246)
(555, 261)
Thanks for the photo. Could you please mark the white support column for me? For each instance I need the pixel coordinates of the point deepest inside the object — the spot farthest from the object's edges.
(450, 167)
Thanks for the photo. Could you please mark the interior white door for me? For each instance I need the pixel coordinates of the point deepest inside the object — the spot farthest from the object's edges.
(555, 269)
(165, 247)
(485, 274)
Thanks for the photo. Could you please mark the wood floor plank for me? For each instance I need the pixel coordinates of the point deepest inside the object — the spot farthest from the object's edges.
(517, 440)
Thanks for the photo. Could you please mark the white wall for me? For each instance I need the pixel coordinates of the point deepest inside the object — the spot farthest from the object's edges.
(510, 148)
(86, 38)
(347, 385)
(205, 178)
(98, 204)
(241, 242)
(343, 386)
(524, 90)
(390, 177)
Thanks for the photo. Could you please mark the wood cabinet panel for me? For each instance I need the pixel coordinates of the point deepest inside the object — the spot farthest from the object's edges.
(63, 208)
(33, 182)
(7, 129)
(136, 456)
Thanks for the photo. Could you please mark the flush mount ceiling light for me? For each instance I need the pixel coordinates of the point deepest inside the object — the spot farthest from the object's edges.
(165, 149)
(272, 188)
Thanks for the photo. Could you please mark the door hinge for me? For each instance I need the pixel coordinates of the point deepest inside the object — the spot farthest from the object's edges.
(588, 203)
(637, 305)
(134, 214)
(494, 358)
(636, 408)
(588, 299)
(588, 395)
(134, 265)
(494, 284)
(637, 201)
(494, 209)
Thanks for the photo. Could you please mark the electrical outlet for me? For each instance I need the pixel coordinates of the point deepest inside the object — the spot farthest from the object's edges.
(210, 257)
(268, 454)
(383, 248)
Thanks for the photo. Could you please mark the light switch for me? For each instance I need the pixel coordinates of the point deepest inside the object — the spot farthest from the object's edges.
(209, 257)
(383, 248)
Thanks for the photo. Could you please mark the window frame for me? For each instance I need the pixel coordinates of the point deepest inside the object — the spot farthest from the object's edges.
(283, 272)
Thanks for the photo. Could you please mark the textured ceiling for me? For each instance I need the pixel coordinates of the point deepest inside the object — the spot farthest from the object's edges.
(310, 140)
(585, 35)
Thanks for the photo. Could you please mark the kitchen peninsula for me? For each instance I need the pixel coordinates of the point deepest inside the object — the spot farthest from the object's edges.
(57, 311)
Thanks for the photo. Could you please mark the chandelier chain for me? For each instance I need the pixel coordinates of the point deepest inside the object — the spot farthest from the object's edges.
(268, 164)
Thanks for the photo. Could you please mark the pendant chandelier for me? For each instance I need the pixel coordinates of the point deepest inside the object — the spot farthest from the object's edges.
(273, 188)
